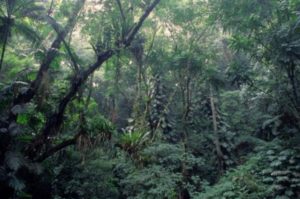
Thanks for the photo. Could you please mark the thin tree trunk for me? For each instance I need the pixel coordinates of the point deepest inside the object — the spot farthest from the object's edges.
(184, 193)
(139, 85)
(215, 129)
(4, 48)
(291, 75)
(116, 89)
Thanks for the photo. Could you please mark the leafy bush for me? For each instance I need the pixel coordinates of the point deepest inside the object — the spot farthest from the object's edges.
(283, 172)
(159, 172)
(92, 178)
(151, 183)
(273, 172)
(244, 182)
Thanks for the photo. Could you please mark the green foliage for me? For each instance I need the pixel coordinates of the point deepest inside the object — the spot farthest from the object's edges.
(19, 66)
(270, 173)
(91, 179)
(243, 182)
(29, 116)
(98, 125)
(283, 173)
(204, 103)
(158, 173)
(267, 31)
(151, 183)
(9, 171)
(158, 179)
(132, 141)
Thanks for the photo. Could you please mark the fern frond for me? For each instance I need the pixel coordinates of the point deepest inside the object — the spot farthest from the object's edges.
(29, 33)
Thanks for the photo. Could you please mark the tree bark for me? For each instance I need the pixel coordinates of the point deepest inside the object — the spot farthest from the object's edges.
(4, 47)
(55, 149)
(216, 140)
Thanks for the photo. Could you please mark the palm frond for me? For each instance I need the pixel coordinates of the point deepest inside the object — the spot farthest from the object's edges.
(30, 10)
(5, 28)
(2, 8)
(28, 32)
(10, 6)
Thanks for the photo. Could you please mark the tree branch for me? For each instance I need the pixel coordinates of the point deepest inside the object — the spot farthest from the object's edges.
(56, 148)
(51, 8)
(55, 120)
(135, 29)
(50, 55)
(72, 57)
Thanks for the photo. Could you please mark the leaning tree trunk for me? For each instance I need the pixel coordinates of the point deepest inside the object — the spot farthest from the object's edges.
(216, 140)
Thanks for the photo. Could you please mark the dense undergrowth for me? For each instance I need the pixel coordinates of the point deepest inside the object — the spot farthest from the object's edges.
(149, 99)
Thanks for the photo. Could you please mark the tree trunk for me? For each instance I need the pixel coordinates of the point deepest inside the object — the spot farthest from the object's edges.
(291, 75)
(184, 193)
(216, 140)
(4, 48)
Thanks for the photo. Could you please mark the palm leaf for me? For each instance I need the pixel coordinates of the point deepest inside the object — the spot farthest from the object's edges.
(31, 11)
(2, 8)
(3, 27)
(10, 5)
(28, 32)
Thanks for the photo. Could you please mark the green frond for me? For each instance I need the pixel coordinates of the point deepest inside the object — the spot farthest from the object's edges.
(28, 32)
(5, 27)
(30, 10)
(2, 8)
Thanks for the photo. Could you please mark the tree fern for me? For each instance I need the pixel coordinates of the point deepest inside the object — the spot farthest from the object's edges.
(13, 12)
